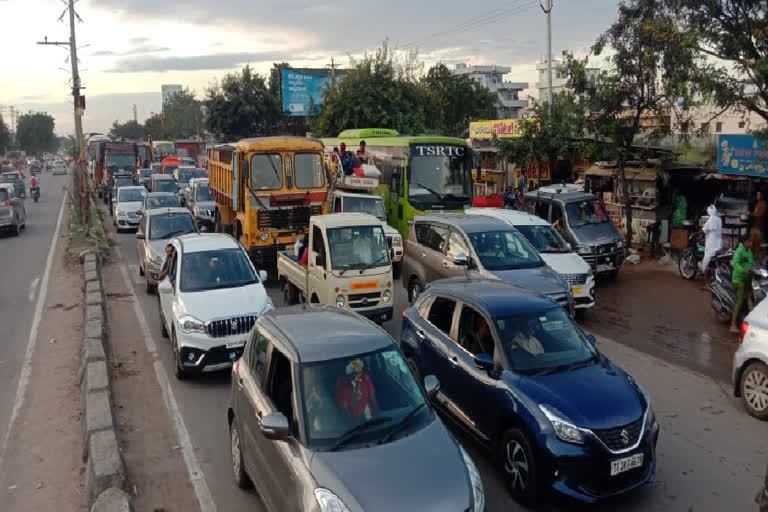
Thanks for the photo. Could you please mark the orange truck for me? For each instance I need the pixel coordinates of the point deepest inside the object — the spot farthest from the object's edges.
(169, 164)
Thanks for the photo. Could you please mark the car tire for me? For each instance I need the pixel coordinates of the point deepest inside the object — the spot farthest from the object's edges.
(580, 314)
(755, 400)
(414, 289)
(397, 269)
(289, 296)
(238, 468)
(179, 370)
(519, 466)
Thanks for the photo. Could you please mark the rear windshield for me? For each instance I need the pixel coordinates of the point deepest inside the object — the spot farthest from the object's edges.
(171, 225)
(163, 202)
(164, 186)
(130, 195)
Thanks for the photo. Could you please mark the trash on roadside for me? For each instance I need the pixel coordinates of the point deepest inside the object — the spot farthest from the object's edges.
(52, 340)
(666, 260)
(39, 485)
(633, 258)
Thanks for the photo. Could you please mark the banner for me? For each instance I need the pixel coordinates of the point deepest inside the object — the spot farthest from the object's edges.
(501, 128)
(302, 87)
(742, 155)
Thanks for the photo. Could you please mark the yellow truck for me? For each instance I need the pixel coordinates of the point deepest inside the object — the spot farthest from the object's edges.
(266, 189)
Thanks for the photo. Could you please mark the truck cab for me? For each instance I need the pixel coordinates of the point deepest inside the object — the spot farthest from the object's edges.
(348, 265)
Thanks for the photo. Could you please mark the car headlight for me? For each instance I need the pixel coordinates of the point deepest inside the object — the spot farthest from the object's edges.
(396, 240)
(619, 243)
(563, 428)
(386, 296)
(478, 494)
(328, 501)
(189, 324)
(650, 419)
(264, 237)
(584, 250)
(339, 301)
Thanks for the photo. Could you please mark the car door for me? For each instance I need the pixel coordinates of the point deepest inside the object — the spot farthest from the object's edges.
(167, 299)
(316, 274)
(433, 238)
(141, 242)
(251, 401)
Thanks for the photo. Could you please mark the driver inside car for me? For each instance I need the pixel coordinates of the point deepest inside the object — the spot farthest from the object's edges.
(355, 392)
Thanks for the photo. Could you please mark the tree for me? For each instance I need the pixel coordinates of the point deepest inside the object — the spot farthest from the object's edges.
(242, 107)
(35, 133)
(732, 38)
(183, 115)
(68, 144)
(651, 68)
(456, 100)
(128, 130)
(5, 135)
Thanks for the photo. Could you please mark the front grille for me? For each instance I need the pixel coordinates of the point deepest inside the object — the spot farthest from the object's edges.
(364, 300)
(230, 326)
(288, 218)
(606, 249)
(612, 438)
(575, 278)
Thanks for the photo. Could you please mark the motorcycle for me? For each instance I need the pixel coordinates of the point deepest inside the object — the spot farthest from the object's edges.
(724, 293)
(690, 259)
(35, 191)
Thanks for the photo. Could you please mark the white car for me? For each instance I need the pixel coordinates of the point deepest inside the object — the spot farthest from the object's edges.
(209, 302)
(750, 362)
(127, 207)
(554, 250)
(59, 167)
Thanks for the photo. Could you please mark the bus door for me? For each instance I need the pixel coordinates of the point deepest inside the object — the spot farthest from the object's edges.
(397, 193)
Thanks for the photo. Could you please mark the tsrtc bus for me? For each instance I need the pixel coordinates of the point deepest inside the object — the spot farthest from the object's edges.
(419, 174)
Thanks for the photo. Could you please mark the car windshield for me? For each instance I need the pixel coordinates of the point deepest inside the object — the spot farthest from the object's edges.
(308, 170)
(130, 195)
(163, 201)
(10, 177)
(4, 196)
(358, 247)
(185, 176)
(504, 250)
(145, 173)
(201, 173)
(170, 225)
(376, 388)
(267, 171)
(372, 204)
(544, 238)
(203, 194)
(209, 270)
(581, 213)
(164, 186)
(543, 342)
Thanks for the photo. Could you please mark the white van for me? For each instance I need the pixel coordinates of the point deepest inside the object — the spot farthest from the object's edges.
(554, 250)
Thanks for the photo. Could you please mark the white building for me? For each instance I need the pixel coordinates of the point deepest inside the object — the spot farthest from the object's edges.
(169, 90)
(559, 77)
(508, 102)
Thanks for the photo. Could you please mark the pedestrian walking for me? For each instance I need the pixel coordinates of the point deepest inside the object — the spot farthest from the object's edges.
(743, 261)
(713, 241)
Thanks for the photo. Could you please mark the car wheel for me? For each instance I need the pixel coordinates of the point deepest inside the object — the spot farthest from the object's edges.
(414, 290)
(519, 467)
(288, 294)
(580, 315)
(754, 390)
(179, 370)
(163, 329)
(238, 469)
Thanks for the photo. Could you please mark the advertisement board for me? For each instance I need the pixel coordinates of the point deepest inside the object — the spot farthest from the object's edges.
(301, 87)
(742, 155)
(501, 128)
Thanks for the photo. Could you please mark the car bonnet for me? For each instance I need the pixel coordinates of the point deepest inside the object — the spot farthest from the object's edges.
(538, 279)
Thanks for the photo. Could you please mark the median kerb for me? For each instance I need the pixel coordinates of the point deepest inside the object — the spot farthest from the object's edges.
(105, 465)
(94, 299)
(91, 275)
(93, 350)
(93, 313)
(112, 500)
(94, 329)
(98, 417)
(93, 287)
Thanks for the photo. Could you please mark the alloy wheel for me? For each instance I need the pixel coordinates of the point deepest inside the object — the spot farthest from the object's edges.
(415, 291)
(236, 455)
(516, 465)
(755, 389)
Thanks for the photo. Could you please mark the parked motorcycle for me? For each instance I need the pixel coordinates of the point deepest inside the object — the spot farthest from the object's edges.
(690, 259)
(724, 293)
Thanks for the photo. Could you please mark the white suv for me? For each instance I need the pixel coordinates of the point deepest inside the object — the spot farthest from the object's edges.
(209, 302)
(554, 250)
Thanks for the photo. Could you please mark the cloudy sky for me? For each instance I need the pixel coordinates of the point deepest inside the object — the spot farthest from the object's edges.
(128, 48)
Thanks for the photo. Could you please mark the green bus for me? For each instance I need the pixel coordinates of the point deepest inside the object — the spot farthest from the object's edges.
(419, 174)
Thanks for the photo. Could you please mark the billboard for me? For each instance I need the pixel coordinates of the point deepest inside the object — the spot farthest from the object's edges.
(302, 87)
(743, 155)
(501, 128)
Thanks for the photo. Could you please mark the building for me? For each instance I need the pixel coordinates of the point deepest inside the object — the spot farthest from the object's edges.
(169, 90)
(508, 102)
(559, 77)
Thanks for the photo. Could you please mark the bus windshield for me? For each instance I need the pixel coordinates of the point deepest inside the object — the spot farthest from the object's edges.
(439, 174)
(121, 161)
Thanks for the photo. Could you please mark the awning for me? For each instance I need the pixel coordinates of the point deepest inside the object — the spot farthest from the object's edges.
(644, 174)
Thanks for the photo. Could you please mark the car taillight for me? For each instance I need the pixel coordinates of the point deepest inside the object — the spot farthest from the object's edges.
(743, 331)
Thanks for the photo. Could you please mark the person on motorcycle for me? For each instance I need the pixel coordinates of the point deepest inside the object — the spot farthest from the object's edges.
(713, 241)
(743, 261)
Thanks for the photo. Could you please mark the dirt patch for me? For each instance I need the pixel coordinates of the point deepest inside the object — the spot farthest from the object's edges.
(43, 469)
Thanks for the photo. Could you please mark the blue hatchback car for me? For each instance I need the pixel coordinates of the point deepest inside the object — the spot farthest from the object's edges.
(520, 376)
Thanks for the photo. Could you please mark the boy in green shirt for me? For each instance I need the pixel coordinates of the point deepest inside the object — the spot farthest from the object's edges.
(743, 261)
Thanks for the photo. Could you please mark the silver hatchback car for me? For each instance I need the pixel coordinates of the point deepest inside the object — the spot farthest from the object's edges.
(13, 214)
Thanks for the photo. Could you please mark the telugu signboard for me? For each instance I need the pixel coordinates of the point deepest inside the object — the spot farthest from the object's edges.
(501, 128)
(302, 87)
(743, 155)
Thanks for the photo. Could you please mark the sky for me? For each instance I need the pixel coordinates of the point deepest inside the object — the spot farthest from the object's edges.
(129, 48)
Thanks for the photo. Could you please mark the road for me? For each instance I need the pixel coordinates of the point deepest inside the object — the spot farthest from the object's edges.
(23, 261)
(711, 454)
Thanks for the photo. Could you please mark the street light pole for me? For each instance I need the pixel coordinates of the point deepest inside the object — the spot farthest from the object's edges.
(548, 11)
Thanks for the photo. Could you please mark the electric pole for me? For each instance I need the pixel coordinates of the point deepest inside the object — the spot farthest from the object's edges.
(548, 11)
(135, 114)
(332, 66)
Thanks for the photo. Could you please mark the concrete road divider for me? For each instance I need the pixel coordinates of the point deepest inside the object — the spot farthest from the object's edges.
(105, 472)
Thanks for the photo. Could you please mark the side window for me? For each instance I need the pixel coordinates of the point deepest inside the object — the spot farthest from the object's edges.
(257, 355)
(457, 245)
(318, 244)
(474, 332)
(337, 205)
(441, 314)
(542, 209)
(432, 236)
(280, 389)
(558, 219)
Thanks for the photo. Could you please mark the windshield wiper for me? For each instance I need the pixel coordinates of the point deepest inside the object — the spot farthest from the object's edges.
(431, 191)
(568, 367)
(355, 431)
(402, 423)
(371, 265)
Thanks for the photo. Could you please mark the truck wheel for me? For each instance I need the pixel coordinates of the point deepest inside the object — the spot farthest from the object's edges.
(397, 268)
(289, 298)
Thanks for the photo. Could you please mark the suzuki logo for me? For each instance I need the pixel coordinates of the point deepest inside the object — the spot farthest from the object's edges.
(233, 325)
(364, 301)
(624, 437)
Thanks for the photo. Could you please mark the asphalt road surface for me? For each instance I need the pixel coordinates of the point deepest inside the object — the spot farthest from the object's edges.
(711, 454)
(23, 267)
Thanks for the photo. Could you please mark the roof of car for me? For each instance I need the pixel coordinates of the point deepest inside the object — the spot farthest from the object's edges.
(199, 242)
(167, 210)
(133, 187)
(514, 217)
(320, 333)
(565, 197)
(346, 219)
(495, 297)
(162, 194)
(162, 177)
(468, 223)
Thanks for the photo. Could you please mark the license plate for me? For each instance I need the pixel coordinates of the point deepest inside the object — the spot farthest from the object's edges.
(236, 344)
(577, 290)
(621, 465)
(604, 268)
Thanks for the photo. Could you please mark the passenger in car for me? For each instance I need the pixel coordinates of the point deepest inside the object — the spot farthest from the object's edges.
(355, 392)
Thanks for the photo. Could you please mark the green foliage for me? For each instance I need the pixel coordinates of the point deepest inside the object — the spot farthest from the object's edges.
(35, 133)
(242, 107)
(128, 130)
(68, 144)
(5, 135)
(182, 118)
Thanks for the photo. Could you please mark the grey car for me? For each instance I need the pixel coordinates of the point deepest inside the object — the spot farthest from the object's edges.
(156, 229)
(450, 245)
(13, 214)
(160, 200)
(201, 202)
(326, 415)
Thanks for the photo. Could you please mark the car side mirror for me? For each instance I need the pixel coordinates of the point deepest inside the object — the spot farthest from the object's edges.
(140, 236)
(204, 229)
(165, 286)
(431, 386)
(275, 426)
(591, 338)
(263, 276)
(392, 254)
(484, 361)
(461, 259)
